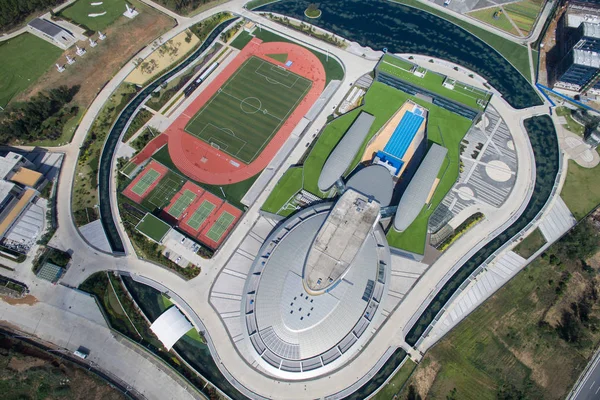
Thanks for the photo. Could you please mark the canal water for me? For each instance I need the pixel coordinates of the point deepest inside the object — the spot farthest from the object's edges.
(401, 29)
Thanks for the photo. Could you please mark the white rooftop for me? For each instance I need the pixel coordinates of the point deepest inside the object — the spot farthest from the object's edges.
(5, 188)
(8, 162)
(170, 327)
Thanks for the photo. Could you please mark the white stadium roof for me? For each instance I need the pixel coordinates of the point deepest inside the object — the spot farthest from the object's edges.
(170, 327)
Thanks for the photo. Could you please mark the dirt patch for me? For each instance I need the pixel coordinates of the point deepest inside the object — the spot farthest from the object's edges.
(576, 287)
(423, 378)
(27, 300)
(124, 39)
(24, 363)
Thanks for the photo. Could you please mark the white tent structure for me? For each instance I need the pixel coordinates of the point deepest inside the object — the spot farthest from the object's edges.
(170, 327)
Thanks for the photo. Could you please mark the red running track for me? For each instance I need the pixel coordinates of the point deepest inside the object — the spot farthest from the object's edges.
(202, 162)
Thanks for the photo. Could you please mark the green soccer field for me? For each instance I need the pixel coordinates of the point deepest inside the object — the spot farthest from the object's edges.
(200, 215)
(246, 112)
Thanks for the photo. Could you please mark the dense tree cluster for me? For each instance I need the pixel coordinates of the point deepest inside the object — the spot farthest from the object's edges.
(42, 117)
(13, 12)
(183, 6)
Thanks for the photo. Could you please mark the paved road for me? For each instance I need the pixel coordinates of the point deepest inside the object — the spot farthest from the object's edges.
(196, 292)
(588, 388)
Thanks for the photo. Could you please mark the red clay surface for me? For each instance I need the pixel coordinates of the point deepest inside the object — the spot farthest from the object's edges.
(202, 162)
(151, 165)
(201, 196)
(210, 221)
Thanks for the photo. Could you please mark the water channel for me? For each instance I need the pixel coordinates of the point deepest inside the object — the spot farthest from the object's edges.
(401, 29)
(114, 136)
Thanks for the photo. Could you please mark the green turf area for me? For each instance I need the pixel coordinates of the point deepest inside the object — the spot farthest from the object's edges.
(248, 110)
(289, 184)
(80, 13)
(182, 203)
(571, 124)
(24, 59)
(129, 168)
(282, 58)
(444, 128)
(200, 215)
(153, 227)
(162, 193)
(501, 22)
(397, 62)
(532, 243)
(333, 69)
(524, 13)
(144, 183)
(218, 229)
(511, 347)
(581, 191)
(395, 384)
(233, 193)
(515, 53)
(462, 93)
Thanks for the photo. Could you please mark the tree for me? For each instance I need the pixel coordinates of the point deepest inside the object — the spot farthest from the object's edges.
(569, 329)
(580, 243)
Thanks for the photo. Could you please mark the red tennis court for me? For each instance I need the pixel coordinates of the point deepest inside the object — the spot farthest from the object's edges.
(145, 181)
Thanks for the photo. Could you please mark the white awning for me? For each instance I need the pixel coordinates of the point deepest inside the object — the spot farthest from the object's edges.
(170, 327)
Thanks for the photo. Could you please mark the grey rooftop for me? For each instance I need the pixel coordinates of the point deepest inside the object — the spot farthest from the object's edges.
(343, 154)
(416, 193)
(374, 180)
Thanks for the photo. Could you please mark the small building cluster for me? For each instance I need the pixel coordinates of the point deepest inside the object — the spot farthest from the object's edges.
(22, 217)
(578, 49)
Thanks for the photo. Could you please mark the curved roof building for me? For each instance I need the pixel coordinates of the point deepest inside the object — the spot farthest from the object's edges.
(296, 334)
(419, 189)
(339, 160)
(374, 180)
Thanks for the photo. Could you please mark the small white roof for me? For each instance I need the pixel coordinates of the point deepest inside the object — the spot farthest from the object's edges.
(170, 327)
(5, 189)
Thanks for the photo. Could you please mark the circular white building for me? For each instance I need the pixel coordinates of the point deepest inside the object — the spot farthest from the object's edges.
(314, 290)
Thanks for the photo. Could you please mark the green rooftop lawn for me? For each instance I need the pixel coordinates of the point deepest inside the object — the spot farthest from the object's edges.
(289, 184)
(80, 13)
(24, 59)
(382, 101)
(571, 125)
(433, 82)
(532, 243)
(397, 62)
(153, 227)
(581, 191)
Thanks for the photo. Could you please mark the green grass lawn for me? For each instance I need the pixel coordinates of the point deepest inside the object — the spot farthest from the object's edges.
(433, 82)
(581, 191)
(524, 13)
(247, 111)
(289, 184)
(24, 59)
(67, 132)
(80, 13)
(487, 15)
(515, 53)
(395, 384)
(153, 227)
(509, 347)
(530, 244)
(333, 69)
(397, 62)
(571, 125)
